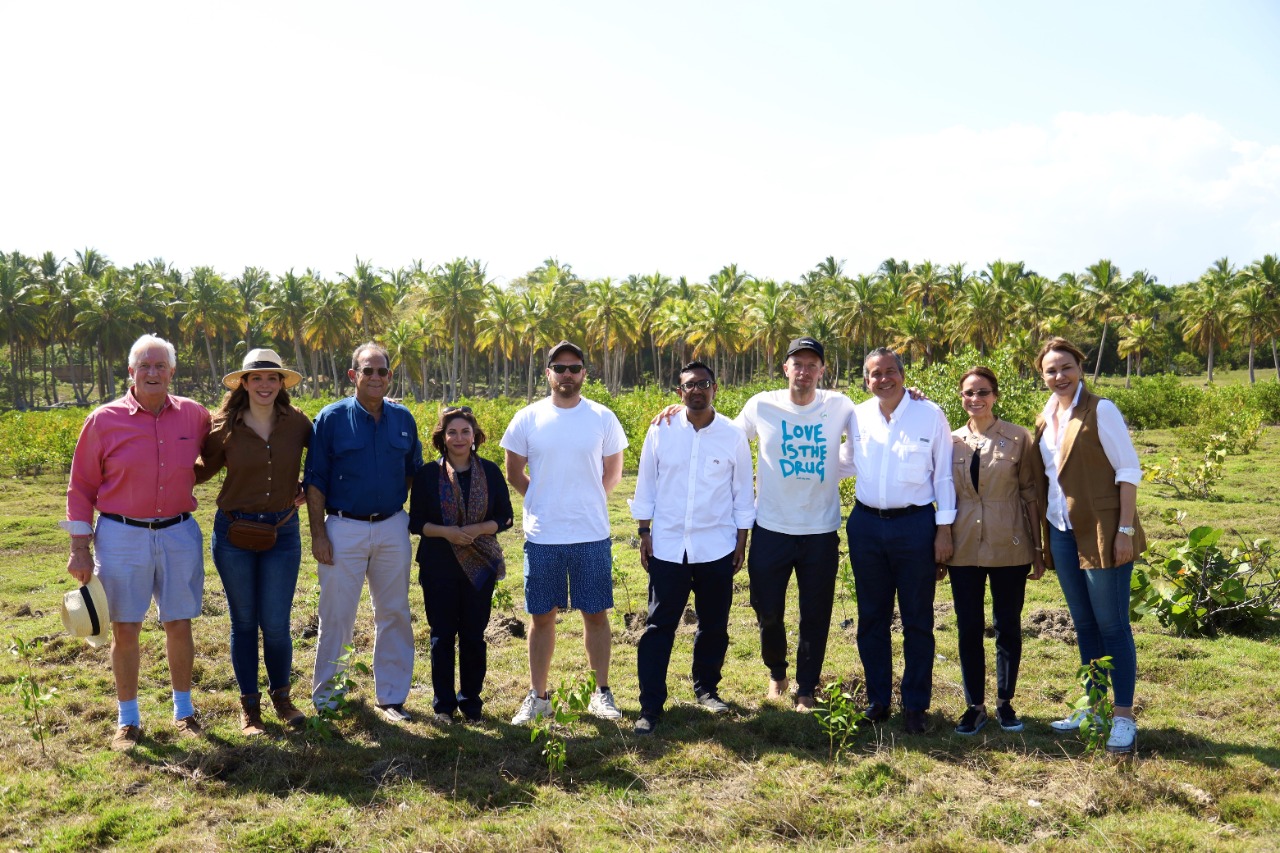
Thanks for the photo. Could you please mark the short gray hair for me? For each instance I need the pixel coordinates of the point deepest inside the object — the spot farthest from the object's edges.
(369, 345)
(147, 342)
(880, 352)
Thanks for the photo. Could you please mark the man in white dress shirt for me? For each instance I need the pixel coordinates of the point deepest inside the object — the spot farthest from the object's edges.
(694, 504)
(900, 449)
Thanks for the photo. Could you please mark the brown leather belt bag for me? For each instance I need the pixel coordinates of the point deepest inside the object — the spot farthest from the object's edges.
(255, 535)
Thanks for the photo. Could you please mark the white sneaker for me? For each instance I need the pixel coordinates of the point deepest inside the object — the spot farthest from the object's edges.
(531, 709)
(1072, 723)
(603, 706)
(1124, 735)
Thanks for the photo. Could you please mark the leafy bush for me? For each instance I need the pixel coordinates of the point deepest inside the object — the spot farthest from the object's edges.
(1198, 588)
(1021, 394)
(1193, 481)
(1157, 402)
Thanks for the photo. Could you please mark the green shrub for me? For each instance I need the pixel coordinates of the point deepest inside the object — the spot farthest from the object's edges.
(1157, 402)
(1197, 588)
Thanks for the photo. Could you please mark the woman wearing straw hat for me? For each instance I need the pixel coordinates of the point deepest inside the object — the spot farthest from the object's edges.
(258, 436)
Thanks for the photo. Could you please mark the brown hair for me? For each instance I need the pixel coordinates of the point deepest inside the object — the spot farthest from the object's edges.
(986, 373)
(450, 413)
(1060, 345)
(237, 401)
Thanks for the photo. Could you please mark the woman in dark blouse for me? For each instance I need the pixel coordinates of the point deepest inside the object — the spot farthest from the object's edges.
(459, 514)
(259, 438)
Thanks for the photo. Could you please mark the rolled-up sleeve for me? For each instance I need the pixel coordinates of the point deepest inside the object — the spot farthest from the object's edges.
(744, 495)
(1114, 434)
(944, 489)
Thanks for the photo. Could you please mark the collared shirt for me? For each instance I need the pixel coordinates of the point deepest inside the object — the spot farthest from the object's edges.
(696, 486)
(130, 462)
(262, 474)
(1112, 432)
(904, 461)
(361, 464)
(798, 480)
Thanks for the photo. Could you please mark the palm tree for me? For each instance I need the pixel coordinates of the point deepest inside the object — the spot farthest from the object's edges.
(1136, 338)
(328, 325)
(250, 286)
(914, 331)
(1253, 317)
(607, 317)
(284, 313)
(498, 328)
(979, 314)
(456, 292)
(404, 344)
(207, 307)
(771, 320)
(1107, 290)
(718, 330)
(649, 292)
(1206, 309)
(109, 318)
(1266, 274)
(371, 297)
(19, 297)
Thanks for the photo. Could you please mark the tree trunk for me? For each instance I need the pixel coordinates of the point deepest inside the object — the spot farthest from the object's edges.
(1210, 362)
(1097, 364)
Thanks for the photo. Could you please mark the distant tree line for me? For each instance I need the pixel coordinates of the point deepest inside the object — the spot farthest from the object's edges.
(452, 331)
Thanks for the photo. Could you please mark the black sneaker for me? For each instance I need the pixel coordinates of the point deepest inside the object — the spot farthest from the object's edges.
(975, 717)
(1008, 718)
(713, 703)
(645, 725)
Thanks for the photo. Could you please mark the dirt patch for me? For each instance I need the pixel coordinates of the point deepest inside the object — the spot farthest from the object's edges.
(1054, 624)
(308, 629)
(502, 628)
(25, 610)
(940, 608)
(633, 627)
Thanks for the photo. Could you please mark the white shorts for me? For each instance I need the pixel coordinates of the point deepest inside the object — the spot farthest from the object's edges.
(137, 565)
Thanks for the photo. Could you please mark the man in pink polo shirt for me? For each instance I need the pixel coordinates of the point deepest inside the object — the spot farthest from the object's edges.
(134, 464)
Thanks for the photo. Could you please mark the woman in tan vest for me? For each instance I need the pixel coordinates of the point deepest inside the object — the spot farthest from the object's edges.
(997, 473)
(1092, 474)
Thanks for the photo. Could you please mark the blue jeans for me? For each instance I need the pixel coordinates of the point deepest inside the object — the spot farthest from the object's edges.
(1099, 603)
(669, 587)
(895, 555)
(259, 586)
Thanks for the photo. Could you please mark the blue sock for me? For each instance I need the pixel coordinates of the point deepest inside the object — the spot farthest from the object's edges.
(182, 706)
(127, 713)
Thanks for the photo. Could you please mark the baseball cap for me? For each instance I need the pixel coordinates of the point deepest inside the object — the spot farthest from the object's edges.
(799, 344)
(561, 347)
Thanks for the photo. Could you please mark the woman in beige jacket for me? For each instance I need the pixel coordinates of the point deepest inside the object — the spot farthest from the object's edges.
(997, 472)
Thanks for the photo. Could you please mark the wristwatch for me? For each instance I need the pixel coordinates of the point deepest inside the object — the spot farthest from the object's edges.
(643, 531)
(1127, 531)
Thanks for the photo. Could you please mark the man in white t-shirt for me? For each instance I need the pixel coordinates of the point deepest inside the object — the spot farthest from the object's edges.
(572, 448)
(797, 514)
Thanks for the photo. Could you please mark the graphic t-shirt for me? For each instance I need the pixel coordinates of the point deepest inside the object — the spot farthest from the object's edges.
(566, 501)
(798, 472)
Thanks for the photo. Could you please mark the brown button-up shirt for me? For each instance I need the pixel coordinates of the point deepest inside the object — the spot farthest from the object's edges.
(262, 476)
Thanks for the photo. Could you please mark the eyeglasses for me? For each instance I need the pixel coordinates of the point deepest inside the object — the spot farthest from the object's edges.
(704, 384)
(369, 371)
(456, 410)
(575, 369)
(977, 392)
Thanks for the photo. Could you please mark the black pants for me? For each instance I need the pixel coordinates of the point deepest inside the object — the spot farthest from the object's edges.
(458, 613)
(815, 559)
(669, 587)
(968, 589)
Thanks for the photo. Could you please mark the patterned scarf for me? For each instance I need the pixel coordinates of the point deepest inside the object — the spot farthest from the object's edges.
(483, 557)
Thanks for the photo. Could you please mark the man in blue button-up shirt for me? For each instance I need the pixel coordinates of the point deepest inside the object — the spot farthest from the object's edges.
(364, 453)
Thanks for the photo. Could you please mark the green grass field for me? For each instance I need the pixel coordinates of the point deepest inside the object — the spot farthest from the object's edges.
(1205, 777)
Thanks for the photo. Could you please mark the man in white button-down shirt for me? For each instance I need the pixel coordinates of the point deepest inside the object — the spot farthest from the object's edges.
(694, 504)
(900, 449)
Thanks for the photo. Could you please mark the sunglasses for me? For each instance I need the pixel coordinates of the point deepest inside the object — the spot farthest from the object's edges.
(456, 410)
(979, 392)
(369, 371)
(575, 369)
(692, 384)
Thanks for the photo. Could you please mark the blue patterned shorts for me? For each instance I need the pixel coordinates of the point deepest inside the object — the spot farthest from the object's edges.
(551, 571)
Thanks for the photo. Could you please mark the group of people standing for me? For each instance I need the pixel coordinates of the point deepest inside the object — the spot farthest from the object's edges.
(981, 502)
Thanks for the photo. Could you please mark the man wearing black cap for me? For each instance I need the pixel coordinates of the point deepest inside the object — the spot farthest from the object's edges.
(797, 514)
(572, 450)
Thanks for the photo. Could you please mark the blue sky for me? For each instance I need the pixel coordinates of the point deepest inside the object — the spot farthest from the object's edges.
(630, 138)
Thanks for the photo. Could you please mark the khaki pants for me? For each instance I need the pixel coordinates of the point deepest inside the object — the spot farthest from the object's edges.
(381, 552)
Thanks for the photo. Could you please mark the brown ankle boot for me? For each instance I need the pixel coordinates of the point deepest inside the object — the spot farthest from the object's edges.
(251, 714)
(286, 710)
